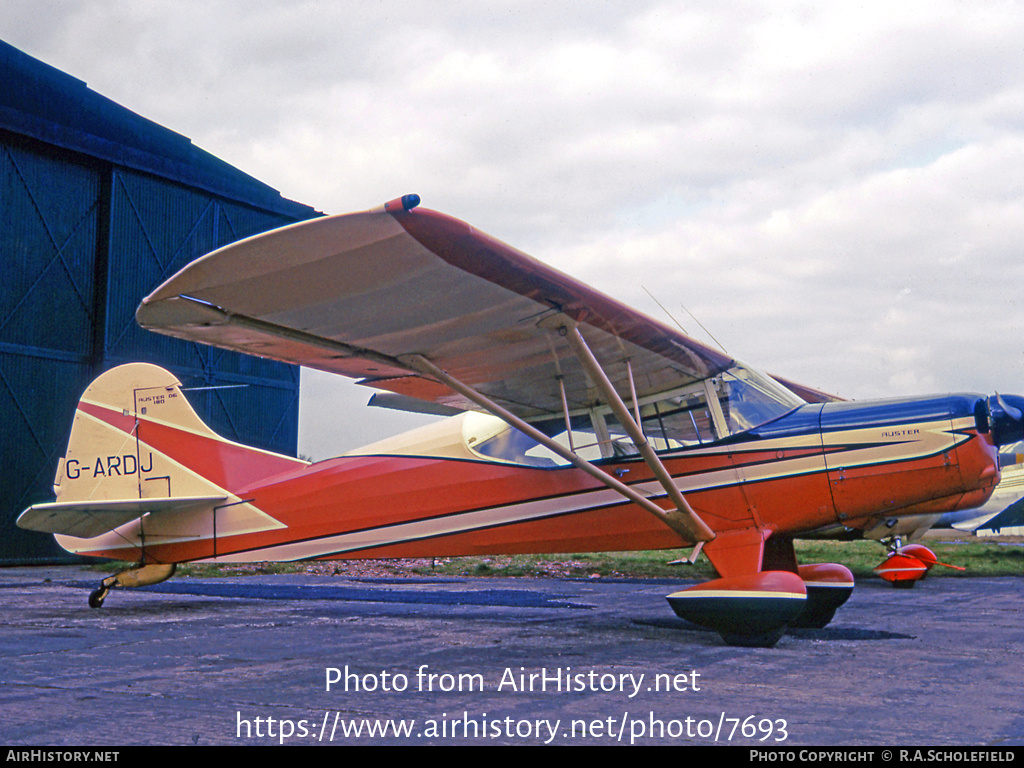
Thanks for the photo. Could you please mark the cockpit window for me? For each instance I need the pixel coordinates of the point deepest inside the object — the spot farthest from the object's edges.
(701, 413)
(670, 423)
(735, 401)
(749, 399)
(491, 438)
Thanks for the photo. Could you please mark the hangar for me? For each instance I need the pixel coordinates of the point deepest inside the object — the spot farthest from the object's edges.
(100, 205)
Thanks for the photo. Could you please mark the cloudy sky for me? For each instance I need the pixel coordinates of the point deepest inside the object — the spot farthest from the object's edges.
(835, 192)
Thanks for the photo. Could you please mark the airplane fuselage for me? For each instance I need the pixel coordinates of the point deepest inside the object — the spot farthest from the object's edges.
(849, 463)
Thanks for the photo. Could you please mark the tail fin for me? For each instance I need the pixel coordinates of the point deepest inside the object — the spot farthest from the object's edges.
(138, 450)
(135, 436)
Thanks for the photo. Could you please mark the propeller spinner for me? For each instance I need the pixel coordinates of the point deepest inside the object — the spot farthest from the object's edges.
(1003, 416)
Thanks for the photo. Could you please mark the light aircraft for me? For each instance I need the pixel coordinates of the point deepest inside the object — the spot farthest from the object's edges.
(584, 426)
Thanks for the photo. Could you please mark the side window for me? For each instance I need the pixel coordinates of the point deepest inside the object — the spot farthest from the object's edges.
(513, 446)
(677, 421)
(584, 438)
(671, 423)
(740, 399)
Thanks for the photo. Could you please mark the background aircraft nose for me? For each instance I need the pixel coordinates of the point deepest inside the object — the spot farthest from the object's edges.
(1003, 416)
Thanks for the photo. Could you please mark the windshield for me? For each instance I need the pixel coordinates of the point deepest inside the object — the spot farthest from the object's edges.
(749, 399)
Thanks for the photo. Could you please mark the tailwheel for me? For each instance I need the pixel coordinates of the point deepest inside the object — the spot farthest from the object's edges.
(140, 576)
(751, 610)
(829, 585)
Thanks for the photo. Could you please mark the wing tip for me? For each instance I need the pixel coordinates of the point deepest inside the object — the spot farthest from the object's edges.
(403, 203)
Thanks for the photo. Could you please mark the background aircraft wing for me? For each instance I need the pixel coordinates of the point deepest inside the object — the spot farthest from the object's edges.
(352, 294)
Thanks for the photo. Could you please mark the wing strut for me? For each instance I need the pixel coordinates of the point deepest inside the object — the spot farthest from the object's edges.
(687, 516)
(692, 529)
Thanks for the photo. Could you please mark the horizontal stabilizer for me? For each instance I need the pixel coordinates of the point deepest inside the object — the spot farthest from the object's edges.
(86, 519)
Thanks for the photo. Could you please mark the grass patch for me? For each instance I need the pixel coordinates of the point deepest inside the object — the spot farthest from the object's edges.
(980, 558)
(651, 565)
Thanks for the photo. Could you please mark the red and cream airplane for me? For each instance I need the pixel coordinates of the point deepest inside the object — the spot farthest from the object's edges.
(584, 426)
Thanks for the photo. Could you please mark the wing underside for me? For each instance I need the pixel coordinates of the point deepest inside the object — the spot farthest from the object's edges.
(357, 294)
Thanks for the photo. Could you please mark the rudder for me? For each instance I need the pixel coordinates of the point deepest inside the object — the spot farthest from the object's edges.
(109, 453)
(135, 436)
(143, 471)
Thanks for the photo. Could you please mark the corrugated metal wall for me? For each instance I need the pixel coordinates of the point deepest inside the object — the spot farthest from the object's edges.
(82, 241)
(48, 233)
(156, 228)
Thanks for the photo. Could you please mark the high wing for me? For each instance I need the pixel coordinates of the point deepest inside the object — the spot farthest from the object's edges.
(356, 294)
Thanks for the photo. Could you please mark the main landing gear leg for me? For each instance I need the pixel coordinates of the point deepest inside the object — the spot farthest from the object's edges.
(828, 585)
(140, 576)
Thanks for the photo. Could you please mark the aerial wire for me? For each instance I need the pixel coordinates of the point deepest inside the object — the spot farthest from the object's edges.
(698, 322)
